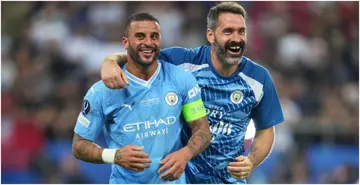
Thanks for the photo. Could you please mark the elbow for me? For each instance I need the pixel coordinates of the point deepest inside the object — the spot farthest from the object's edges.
(74, 151)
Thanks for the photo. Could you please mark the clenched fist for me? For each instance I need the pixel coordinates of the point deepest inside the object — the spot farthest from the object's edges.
(112, 75)
(241, 167)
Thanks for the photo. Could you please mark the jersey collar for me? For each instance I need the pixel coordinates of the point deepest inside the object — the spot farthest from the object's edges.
(141, 81)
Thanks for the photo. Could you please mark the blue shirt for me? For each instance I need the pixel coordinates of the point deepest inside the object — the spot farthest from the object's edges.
(230, 104)
(145, 113)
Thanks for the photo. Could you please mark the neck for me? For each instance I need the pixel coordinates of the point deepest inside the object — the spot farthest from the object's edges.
(141, 71)
(221, 67)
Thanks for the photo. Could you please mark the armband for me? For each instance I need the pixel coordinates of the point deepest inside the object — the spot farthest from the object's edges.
(194, 110)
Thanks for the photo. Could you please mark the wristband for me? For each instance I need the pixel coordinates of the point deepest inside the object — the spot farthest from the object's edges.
(108, 156)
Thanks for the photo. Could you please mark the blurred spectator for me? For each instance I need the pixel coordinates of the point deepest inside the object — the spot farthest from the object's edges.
(70, 171)
(343, 174)
(49, 24)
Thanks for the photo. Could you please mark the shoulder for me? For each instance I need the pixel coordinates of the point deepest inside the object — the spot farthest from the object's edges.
(99, 90)
(255, 70)
(201, 51)
(175, 73)
(100, 87)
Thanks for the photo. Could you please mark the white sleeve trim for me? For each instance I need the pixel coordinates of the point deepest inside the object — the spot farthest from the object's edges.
(256, 86)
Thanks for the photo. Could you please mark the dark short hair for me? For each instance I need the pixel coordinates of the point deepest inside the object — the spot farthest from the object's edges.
(142, 16)
(224, 7)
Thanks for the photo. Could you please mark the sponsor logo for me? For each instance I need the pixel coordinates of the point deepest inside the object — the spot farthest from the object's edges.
(221, 128)
(194, 91)
(152, 133)
(149, 128)
(145, 125)
(127, 105)
(171, 98)
(215, 113)
(236, 97)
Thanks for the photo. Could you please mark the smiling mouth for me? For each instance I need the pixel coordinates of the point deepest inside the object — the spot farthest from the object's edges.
(147, 52)
(235, 49)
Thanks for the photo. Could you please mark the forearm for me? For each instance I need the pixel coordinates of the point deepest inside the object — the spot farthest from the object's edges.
(262, 145)
(200, 138)
(86, 150)
(120, 58)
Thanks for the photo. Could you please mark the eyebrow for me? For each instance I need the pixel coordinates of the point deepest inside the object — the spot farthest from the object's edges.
(142, 33)
(139, 34)
(232, 29)
(155, 33)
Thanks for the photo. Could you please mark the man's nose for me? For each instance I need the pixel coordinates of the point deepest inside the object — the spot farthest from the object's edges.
(237, 38)
(148, 41)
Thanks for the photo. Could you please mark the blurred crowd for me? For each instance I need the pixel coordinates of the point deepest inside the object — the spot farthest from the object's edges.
(51, 53)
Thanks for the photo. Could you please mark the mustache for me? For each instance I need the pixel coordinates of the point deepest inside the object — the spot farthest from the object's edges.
(233, 44)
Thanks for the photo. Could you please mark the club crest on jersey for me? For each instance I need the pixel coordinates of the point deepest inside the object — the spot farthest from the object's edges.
(236, 97)
(171, 98)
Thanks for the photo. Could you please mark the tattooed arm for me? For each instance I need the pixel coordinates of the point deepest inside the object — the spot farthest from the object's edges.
(130, 157)
(176, 162)
(200, 138)
(86, 150)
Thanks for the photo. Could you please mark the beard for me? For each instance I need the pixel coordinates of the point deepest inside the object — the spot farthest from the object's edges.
(227, 59)
(135, 55)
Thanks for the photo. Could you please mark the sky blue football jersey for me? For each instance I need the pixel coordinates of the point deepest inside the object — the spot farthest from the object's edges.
(145, 113)
(230, 104)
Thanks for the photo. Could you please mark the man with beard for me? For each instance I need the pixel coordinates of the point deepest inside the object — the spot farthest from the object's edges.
(234, 90)
(143, 140)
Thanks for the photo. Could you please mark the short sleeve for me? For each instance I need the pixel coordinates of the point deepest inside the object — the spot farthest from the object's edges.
(91, 118)
(268, 112)
(190, 88)
(193, 108)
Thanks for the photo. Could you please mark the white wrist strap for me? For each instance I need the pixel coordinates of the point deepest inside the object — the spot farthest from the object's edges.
(108, 156)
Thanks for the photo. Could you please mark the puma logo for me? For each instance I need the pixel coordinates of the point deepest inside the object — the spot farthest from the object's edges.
(127, 105)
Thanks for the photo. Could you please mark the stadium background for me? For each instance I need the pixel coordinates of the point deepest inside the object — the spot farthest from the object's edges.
(52, 52)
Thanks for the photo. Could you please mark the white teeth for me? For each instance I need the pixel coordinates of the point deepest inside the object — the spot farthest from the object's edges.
(235, 47)
(147, 51)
